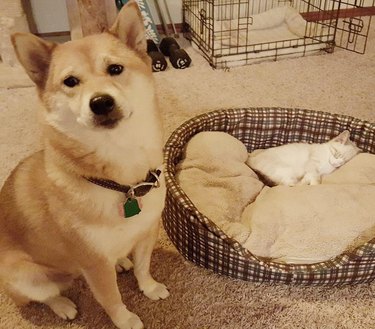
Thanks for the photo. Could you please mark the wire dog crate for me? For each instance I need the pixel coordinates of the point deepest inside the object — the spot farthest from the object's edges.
(239, 32)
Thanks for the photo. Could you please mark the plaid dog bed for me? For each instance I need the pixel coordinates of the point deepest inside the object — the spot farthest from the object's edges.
(199, 240)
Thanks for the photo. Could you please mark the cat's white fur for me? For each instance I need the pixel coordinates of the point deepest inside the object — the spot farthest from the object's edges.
(302, 163)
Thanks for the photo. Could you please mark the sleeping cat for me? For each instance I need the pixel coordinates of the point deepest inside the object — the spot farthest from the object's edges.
(301, 163)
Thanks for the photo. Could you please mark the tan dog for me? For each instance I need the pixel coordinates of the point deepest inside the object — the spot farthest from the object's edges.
(101, 123)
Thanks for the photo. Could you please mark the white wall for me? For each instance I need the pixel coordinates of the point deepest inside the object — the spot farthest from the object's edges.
(175, 8)
(51, 15)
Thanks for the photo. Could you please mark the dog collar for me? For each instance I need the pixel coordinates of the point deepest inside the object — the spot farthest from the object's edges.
(131, 191)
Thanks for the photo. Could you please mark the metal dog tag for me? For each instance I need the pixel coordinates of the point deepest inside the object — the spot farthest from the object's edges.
(131, 208)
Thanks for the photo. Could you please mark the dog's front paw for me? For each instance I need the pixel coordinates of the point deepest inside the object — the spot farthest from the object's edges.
(127, 320)
(155, 290)
(124, 264)
(63, 307)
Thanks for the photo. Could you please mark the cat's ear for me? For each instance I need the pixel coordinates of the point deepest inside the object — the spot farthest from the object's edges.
(343, 137)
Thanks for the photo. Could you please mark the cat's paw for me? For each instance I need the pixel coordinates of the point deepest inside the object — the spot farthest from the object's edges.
(289, 181)
(310, 180)
(314, 181)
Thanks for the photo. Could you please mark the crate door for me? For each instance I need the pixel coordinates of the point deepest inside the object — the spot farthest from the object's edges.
(353, 23)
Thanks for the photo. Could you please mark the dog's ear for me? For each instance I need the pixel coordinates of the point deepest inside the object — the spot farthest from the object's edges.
(34, 54)
(129, 27)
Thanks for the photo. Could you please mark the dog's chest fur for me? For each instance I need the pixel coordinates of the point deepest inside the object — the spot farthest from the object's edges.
(116, 235)
(97, 217)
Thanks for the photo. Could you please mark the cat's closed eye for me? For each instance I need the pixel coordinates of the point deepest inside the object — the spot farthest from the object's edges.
(336, 154)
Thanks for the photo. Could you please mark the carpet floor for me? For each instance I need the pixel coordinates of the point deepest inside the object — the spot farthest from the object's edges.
(342, 82)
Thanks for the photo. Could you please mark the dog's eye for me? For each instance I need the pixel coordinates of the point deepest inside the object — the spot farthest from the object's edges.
(71, 82)
(115, 69)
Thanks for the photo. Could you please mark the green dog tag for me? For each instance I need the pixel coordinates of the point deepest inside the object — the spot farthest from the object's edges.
(131, 208)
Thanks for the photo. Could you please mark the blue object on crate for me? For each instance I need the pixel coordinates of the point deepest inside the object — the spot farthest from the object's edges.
(151, 30)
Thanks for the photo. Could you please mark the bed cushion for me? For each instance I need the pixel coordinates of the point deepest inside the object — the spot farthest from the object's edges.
(310, 224)
(215, 177)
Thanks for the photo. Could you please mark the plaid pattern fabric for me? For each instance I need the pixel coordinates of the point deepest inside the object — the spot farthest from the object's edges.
(199, 240)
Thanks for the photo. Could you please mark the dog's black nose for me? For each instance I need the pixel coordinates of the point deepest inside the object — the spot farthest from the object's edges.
(102, 104)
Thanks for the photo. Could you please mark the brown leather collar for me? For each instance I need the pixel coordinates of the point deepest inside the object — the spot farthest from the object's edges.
(130, 191)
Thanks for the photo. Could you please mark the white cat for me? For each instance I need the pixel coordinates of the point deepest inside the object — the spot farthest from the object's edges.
(301, 163)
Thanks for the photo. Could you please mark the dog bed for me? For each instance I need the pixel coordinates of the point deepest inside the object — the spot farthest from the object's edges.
(199, 240)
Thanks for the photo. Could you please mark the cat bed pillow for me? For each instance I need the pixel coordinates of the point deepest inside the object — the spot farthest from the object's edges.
(359, 170)
(215, 177)
(310, 224)
(279, 23)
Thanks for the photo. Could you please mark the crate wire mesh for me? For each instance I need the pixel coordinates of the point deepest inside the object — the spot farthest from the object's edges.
(238, 32)
(353, 24)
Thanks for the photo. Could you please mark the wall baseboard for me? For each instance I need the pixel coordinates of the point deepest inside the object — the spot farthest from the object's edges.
(53, 34)
(178, 27)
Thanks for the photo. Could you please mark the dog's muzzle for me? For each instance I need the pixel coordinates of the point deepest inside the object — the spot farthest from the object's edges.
(106, 112)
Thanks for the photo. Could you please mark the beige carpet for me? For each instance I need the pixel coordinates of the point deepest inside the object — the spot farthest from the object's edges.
(342, 82)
